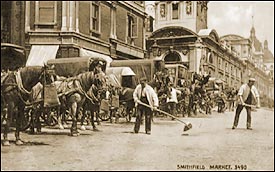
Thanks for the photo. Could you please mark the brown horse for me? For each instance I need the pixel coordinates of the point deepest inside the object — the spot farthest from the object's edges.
(75, 91)
(15, 90)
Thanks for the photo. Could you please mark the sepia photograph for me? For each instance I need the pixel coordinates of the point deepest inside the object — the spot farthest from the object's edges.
(137, 85)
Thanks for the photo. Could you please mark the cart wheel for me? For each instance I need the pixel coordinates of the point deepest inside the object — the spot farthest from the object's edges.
(104, 116)
(50, 117)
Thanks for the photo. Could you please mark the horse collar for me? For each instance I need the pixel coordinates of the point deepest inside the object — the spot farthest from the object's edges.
(20, 83)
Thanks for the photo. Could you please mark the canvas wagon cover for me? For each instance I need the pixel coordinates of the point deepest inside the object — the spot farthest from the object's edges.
(119, 72)
(73, 66)
(12, 56)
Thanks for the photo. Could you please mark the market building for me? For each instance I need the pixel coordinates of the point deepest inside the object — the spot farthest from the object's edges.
(181, 36)
(108, 29)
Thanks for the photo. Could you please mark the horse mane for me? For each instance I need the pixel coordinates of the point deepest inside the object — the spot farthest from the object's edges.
(30, 75)
(86, 79)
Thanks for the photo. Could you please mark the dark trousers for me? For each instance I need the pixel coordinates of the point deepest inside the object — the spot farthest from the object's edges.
(237, 115)
(142, 110)
(172, 108)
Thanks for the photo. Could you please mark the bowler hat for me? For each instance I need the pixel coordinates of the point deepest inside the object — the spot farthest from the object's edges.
(143, 79)
(252, 79)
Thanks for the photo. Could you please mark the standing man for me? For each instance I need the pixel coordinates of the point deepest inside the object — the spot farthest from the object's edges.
(172, 100)
(247, 94)
(145, 94)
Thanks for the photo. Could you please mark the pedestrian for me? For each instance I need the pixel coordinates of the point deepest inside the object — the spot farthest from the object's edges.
(247, 94)
(144, 93)
(172, 100)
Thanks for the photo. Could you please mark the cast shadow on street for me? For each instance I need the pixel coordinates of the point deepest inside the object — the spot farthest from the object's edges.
(28, 143)
(57, 133)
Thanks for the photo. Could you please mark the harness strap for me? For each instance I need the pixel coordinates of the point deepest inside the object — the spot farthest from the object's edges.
(20, 83)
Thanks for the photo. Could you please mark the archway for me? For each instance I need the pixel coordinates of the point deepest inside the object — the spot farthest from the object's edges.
(172, 57)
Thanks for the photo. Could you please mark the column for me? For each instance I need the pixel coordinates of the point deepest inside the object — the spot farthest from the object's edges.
(36, 13)
(113, 20)
(71, 11)
(27, 16)
(76, 16)
(64, 16)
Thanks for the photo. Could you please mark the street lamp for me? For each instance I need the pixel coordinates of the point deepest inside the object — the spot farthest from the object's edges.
(155, 49)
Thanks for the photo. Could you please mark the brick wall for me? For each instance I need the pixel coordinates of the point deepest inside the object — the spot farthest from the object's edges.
(121, 18)
(84, 17)
(105, 22)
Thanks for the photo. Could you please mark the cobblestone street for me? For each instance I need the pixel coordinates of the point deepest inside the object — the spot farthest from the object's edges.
(210, 143)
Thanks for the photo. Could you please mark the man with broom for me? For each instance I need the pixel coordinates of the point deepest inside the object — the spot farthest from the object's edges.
(144, 93)
(247, 94)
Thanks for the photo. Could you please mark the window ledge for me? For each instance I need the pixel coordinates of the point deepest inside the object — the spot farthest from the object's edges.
(46, 24)
(94, 32)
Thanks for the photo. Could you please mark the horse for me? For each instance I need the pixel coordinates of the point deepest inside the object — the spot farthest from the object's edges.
(15, 90)
(76, 90)
(91, 108)
(198, 92)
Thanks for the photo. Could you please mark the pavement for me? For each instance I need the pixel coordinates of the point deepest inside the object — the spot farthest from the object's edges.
(210, 145)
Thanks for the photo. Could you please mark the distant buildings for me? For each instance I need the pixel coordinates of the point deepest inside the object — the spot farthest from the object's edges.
(181, 36)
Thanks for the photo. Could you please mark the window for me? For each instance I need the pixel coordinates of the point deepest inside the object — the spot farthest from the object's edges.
(95, 17)
(46, 12)
(220, 63)
(162, 10)
(175, 11)
(188, 8)
(226, 69)
(132, 26)
(210, 58)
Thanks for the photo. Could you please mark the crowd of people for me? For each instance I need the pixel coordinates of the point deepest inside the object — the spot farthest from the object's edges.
(191, 96)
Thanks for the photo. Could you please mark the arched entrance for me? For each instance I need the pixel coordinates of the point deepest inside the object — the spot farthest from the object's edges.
(172, 57)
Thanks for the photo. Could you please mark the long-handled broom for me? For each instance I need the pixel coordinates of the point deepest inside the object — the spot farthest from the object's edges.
(187, 125)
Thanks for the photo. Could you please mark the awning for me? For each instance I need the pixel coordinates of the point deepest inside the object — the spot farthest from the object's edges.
(83, 53)
(40, 54)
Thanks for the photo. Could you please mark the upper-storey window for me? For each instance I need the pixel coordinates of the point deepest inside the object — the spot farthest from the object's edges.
(132, 26)
(188, 8)
(162, 11)
(175, 10)
(95, 17)
(46, 13)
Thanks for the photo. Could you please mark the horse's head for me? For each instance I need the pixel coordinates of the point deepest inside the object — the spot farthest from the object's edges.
(100, 81)
(47, 75)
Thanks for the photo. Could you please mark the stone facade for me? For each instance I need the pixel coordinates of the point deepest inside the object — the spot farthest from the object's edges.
(185, 39)
(112, 28)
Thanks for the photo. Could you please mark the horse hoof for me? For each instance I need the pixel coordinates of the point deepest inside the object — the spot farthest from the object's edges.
(75, 135)
(6, 143)
(95, 129)
(19, 142)
(89, 127)
(61, 127)
(82, 128)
